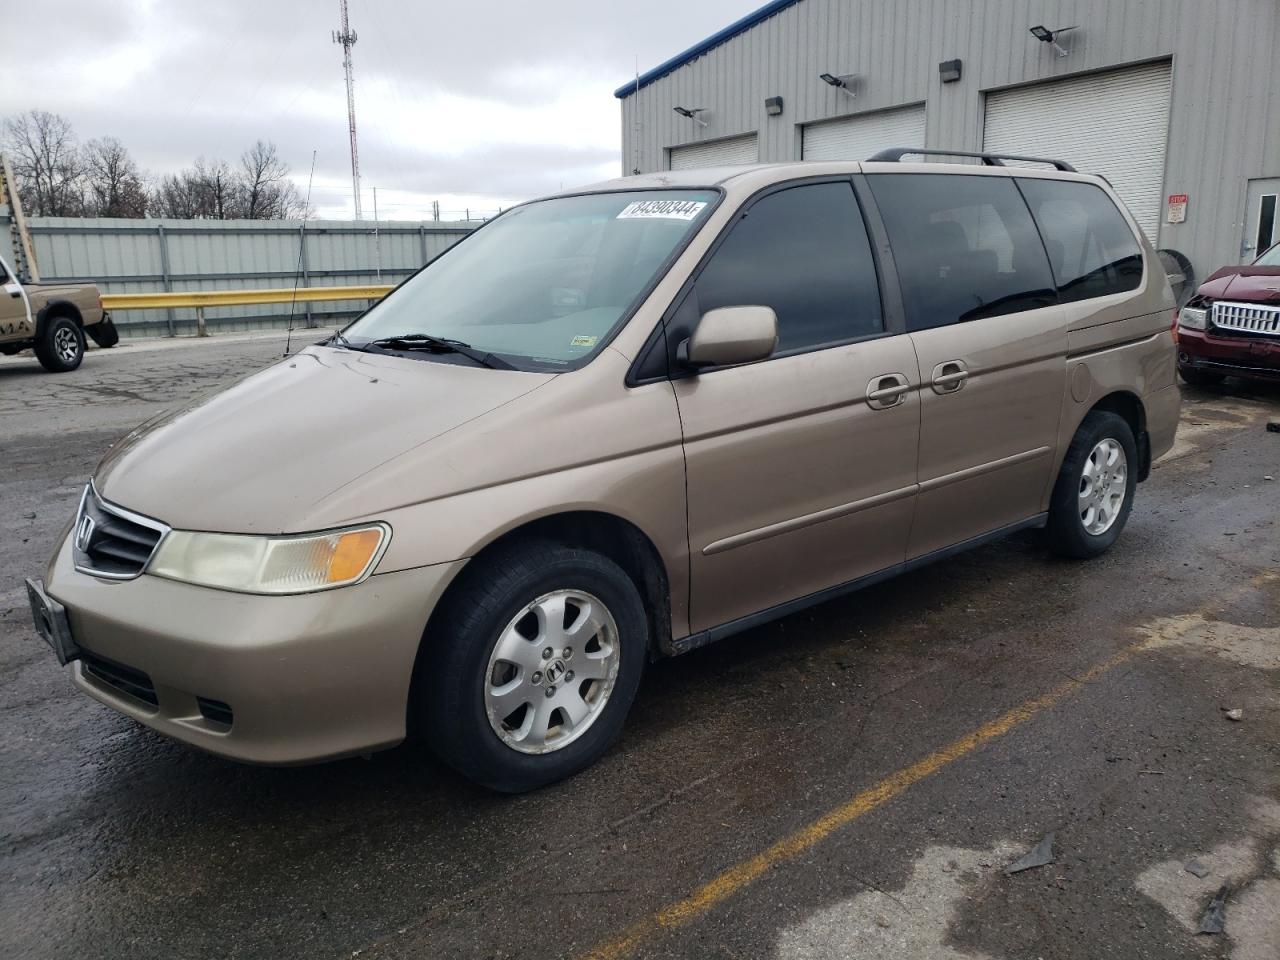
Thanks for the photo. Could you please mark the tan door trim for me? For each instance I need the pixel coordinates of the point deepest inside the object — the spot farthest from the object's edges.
(808, 520)
(982, 468)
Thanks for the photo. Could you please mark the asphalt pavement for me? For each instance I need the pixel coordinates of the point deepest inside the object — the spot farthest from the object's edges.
(849, 782)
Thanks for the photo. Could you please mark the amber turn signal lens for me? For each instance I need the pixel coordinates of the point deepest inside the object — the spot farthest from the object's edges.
(352, 554)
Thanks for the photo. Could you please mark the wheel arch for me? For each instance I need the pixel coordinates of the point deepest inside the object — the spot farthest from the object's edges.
(600, 531)
(1128, 405)
(54, 309)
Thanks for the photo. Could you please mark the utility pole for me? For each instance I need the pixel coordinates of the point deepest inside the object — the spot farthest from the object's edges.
(377, 248)
(347, 38)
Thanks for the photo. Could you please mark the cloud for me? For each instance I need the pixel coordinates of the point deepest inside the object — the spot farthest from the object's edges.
(474, 104)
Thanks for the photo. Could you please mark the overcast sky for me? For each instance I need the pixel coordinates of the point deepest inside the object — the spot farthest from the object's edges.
(474, 104)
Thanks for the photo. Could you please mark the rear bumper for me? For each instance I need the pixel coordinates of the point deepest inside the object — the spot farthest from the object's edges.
(306, 678)
(1253, 357)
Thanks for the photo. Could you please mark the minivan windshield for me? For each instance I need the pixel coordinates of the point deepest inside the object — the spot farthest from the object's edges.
(546, 282)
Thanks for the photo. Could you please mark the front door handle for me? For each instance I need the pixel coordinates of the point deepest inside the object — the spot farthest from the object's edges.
(949, 376)
(887, 390)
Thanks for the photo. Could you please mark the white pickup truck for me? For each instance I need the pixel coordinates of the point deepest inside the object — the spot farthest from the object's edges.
(52, 319)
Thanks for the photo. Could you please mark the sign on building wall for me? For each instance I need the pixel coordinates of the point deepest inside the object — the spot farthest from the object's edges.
(1177, 208)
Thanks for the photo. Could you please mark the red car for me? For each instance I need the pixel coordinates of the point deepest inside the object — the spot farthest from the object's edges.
(1231, 327)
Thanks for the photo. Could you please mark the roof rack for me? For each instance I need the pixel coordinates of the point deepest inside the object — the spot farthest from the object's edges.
(895, 155)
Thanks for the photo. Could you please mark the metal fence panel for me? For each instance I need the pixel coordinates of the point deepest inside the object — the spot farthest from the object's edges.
(148, 256)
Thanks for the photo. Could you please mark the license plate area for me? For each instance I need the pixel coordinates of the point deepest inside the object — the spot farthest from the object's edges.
(51, 622)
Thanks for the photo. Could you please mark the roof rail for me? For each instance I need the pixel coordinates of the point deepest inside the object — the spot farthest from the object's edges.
(895, 154)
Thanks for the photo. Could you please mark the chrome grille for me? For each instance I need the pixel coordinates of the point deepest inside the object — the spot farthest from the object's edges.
(109, 541)
(1247, 317)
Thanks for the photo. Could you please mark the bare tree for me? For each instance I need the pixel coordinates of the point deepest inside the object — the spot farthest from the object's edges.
(266, 191)
(217, 189)
(57, 177)
(207, 190)
(177, 196)
(46, 163)
(113, 184)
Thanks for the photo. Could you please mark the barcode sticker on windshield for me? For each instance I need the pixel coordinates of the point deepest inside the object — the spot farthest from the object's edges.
(662, 210)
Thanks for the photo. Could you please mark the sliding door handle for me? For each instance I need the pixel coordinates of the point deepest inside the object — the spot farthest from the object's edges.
(887, 391)
(949, 376)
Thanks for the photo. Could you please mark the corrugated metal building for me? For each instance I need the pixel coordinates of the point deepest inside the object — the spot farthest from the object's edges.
(1166, 98)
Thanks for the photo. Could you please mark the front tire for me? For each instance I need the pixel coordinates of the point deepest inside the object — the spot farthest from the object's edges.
(61, 348)
(1094, 490)
(531, 665)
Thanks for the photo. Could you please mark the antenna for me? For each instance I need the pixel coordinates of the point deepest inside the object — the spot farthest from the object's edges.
(347, 38)
(302, 249)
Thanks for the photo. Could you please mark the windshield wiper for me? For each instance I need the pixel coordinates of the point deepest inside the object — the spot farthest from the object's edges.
(425, 341)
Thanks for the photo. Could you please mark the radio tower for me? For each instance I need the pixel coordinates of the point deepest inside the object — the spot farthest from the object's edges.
(347, 37)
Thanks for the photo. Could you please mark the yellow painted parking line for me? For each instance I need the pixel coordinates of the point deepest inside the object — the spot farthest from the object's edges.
(731, 881)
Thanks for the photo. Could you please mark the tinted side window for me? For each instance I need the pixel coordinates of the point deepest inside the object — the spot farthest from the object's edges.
(804, 252)
(1091, 248)
(965, 247)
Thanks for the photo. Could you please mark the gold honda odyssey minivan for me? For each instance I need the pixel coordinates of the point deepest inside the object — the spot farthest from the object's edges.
(610, 425)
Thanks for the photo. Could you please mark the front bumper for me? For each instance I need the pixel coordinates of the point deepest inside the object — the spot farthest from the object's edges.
(306, 678)
(1256, 358)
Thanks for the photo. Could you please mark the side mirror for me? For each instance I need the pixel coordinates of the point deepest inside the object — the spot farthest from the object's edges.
(730, 335)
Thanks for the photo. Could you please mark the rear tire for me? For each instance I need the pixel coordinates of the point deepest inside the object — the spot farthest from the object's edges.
(104, 333)
(1094, 491)
(1201, 378)
(536, 616)
(61, 348)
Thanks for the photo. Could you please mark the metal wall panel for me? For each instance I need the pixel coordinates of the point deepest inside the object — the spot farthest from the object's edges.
(859, 136)
(719, 153)
(1224, 113)
(1115, 124)
(146, 256)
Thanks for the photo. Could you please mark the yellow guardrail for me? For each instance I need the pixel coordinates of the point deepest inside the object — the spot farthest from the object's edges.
(239, 298)
(199, 299)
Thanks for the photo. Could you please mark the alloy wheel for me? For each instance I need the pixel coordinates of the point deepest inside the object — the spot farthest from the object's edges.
(66, 344)
(551, 671)
(1103, 486)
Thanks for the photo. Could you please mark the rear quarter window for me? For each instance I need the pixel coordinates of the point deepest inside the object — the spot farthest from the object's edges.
(965, 247)
(1091, 248)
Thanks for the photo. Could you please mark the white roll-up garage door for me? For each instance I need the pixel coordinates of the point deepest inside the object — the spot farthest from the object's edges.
(716, 153)
(1114, 123)
(856, 138)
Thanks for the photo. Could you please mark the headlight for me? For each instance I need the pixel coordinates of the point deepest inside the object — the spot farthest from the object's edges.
(1193, 318)
(275, 565)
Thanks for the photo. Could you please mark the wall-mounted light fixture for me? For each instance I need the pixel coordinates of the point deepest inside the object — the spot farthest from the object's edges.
(1045, 35)
(692, 114)
(949, 70)
(844, 83)
(773, 106)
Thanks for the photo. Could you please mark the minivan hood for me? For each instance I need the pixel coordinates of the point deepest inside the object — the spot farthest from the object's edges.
(259, 456)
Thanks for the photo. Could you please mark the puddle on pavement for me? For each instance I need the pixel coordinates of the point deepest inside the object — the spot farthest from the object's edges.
(1252, 920)
(1248, 646)
(909, 922)
(1207, 420)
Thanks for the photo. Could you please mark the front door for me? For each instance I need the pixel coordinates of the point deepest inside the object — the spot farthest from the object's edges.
(799, 479)
(1262, 218)
(991, 343)
(14, 321)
